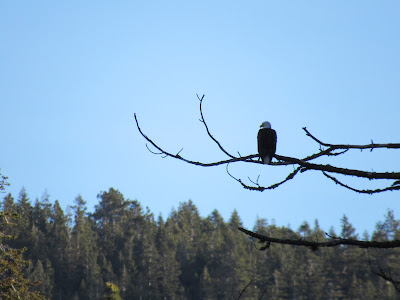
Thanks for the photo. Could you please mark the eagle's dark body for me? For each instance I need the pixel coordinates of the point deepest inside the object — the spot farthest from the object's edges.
(266, 144)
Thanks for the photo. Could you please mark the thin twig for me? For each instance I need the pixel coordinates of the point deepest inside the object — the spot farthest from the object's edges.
(262, 295)
(208, 131)
(243, 290)
(261, 188)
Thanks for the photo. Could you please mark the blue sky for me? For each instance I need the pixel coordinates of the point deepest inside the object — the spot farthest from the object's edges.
(73, 74)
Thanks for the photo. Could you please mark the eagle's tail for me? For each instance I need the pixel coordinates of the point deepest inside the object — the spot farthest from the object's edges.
(266, 159)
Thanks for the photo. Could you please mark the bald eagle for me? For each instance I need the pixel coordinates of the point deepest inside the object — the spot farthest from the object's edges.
(266, 142)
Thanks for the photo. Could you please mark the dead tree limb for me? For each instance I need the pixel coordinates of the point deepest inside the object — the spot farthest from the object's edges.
(346, 147)
(316, 245)
(303, 164)
(242, 291)
(208, 131)
(258, 187)
(385, 274)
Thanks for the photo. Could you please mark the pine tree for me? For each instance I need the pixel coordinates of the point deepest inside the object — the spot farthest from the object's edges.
(147, 257)
(60, 254)
(386, 230)
(13, 284)
(132, 255)
(216, 258)
(188, 227)
(43, 273)
(108, 215)
(42, 213)
(24, 223)
(168, 271)
(264, 262)
(86, 272)
(348, 231)
(237, 245)
(40, 229)
(9, 204)
(305, 230)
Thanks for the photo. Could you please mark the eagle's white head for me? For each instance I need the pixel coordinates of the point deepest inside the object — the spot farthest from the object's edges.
(265, 124)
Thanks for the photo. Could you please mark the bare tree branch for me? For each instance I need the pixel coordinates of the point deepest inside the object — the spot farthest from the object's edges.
(385, 274)
(343, 146)
(208, 131)
(259, 188)
(316, 245)
(344, 171)
(177, 156)
(303, 164)
(390, 188)
(262, 295)
(242, 291)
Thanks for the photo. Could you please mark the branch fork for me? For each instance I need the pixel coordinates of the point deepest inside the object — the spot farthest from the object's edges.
(304, 164)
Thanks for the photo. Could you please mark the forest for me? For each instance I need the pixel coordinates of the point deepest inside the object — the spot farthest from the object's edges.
(75, 253)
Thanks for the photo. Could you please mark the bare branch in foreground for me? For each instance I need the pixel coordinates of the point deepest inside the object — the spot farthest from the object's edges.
(386, 275)
(303, 164)
(242, 291)
(316, 245)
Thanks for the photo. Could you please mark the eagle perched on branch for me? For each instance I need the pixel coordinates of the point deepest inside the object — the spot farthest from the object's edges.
(266, 142)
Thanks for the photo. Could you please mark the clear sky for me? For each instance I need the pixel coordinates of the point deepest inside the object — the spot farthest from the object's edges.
(72, 75)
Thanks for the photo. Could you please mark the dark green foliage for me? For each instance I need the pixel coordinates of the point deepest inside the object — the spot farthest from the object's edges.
(13, 283)
(121, 252)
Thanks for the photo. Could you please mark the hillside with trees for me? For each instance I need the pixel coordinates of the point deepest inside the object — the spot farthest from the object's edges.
(80, 255)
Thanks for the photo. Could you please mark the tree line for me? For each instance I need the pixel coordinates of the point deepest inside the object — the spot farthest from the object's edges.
(78, 255)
